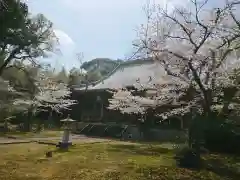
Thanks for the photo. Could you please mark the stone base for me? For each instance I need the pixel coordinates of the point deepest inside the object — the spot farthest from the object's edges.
(64, 145)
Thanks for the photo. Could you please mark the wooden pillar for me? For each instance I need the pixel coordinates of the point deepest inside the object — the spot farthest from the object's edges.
(181, 119)
(101, 115)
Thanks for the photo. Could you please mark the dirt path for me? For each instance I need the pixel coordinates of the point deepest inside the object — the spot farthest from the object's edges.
(75, 139)
(4, 140)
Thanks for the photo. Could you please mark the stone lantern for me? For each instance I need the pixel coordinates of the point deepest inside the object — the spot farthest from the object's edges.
(66, 138)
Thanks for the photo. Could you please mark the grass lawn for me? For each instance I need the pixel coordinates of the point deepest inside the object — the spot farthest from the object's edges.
(100, 161)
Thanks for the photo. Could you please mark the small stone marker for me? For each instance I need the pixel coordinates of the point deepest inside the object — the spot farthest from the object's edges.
(49, 154)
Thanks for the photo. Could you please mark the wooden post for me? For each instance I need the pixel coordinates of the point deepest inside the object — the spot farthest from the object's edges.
(181, 123)
(101, 115)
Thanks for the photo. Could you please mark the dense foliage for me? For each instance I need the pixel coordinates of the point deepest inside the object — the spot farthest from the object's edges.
(27, 85)
(23, 37)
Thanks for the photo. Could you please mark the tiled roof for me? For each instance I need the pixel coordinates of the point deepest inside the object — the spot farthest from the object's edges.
(130, 74)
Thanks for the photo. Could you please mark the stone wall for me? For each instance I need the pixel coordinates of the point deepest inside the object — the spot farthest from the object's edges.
(167, 135)
(133, 133)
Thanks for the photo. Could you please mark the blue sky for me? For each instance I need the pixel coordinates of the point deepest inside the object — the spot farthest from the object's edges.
(97, 28)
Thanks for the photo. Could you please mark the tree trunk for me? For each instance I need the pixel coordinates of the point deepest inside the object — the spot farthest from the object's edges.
(50, 118)
(6, 126)
(189, 137)
(8, 60)
(27, 123)
(198, 131)
(195, 133)
(39, 126)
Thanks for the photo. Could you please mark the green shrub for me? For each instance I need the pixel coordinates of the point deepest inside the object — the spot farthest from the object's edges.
(187, 157)
(222, 138)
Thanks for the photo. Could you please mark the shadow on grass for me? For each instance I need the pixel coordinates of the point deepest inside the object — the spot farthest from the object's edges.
(224, 168)
(146, 150)
(61, 150)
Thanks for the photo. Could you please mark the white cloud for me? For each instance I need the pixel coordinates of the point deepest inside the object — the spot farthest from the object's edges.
(64, 38)
(67, 48)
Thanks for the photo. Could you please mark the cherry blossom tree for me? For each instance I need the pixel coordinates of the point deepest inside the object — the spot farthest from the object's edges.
(7, 96)
(51, 96)
(198, 48)
(5, 91)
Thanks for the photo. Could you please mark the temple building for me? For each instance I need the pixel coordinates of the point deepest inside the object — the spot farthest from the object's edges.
(93, 98)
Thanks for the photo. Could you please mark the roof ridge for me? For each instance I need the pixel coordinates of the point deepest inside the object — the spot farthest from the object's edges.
(108, 75)
(123, 65)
